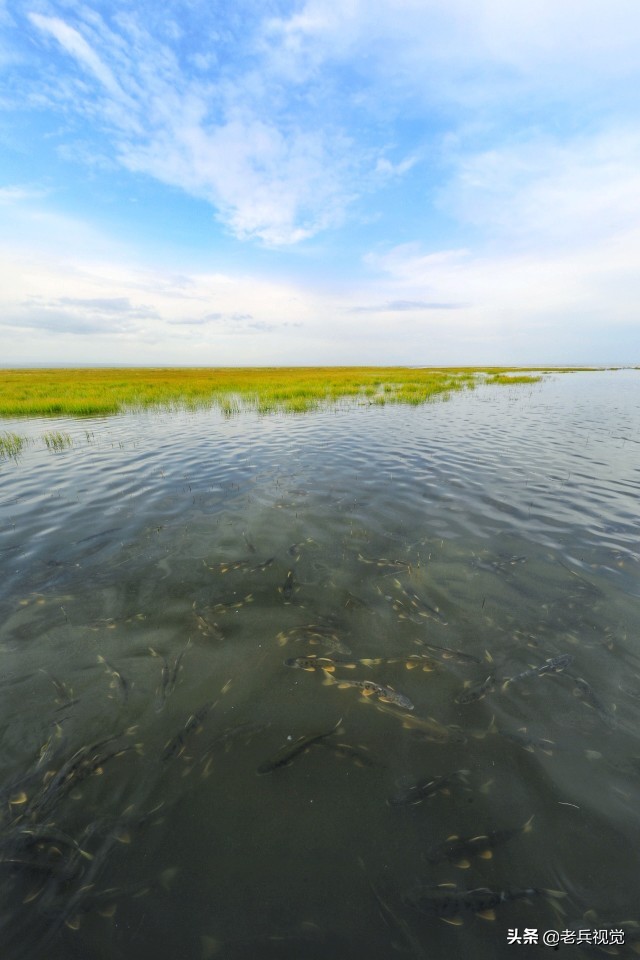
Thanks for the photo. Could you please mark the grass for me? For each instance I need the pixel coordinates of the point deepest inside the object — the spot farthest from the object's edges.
(95, 392)
(57, 441)
(11, 444)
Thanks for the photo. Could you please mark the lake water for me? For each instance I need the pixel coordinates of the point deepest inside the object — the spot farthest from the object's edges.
(158, 798)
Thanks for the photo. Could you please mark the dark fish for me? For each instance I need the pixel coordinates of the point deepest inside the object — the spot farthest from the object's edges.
(250, 546)
(359, 755)
(585, 692)
(370, 689)
(312, 662)
(411, 661)
(232, 604)
(522, 738)
(448, 903)
(477, 691)
(229, 565)
(176, 746)
(385, 563)
(169, 676)
(551, 665)
(117, 679)
(287, 587)
(85, 761)
(445, 653)
(259, 567)
(293, 748)
(64, 692)
(457, 849)
(417, 791)
(316, 634)
(413, 606)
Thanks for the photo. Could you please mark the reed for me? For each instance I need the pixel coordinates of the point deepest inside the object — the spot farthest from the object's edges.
(11, 444)
(94, 392)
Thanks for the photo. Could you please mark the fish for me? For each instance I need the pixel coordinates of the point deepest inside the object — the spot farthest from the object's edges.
(227, 566)
(320, 634)
(413, 660)
(232, 604)
(169, 676)
(293, 748)
(477, 691)
(177, 745)
(288, 586)
(370, 689)
(359, 754)
(522, 738)
(85, 761)
(385, 563)
(551, 665)
(259, 567)
(117, 679)
(413, 606)
(445, 653)
(250, 546)
(585, 692)
(456, 849)
(446, 902)
(64, 692)
(421, 728)
(419, 790)
(392, 918)
(294, 549)
(313, 662)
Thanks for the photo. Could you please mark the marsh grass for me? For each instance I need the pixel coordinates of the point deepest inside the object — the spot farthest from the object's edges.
(57, 441)
(95, 392)
(11, 444)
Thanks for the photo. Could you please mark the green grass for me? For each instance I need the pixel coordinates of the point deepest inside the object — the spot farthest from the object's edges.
(11, 444)
(57, 441)
(95, 392)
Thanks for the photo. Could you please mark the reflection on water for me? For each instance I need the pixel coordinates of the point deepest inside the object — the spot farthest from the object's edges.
(270, 684)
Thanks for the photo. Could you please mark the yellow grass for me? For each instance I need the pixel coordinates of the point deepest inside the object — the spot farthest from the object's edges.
(91, 391)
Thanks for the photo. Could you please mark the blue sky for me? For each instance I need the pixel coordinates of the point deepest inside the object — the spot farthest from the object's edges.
(397, 181)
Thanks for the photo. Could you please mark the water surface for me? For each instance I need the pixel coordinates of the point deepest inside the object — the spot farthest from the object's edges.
(156, 576)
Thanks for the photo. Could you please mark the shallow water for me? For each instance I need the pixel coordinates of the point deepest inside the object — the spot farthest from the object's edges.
(488, 535)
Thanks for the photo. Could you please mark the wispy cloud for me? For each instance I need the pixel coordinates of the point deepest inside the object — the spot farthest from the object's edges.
(401, 306)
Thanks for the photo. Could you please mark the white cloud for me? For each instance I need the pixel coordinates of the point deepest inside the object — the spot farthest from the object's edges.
(75, 44)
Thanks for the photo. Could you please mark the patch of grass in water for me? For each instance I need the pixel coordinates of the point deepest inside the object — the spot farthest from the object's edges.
(57, 441)
(11, 444)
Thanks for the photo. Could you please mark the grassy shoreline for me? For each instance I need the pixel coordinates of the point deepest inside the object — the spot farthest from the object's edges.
(102, 391)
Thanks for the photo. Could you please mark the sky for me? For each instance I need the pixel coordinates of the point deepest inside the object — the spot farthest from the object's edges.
(198, 182)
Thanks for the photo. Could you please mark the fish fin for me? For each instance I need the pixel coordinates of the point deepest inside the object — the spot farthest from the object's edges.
(549, 753)
(446, 886)
(409, 666)
(506, 684)
(330, 669)
(593, 755)
(454, 836)
(370, 693)
(368, 662)
(527, 828)
(347, 666)
(329, 681)
(462, 864)
(486, 855)
(488, 657)
(454, 921)
(486, 787)
(487, 914)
